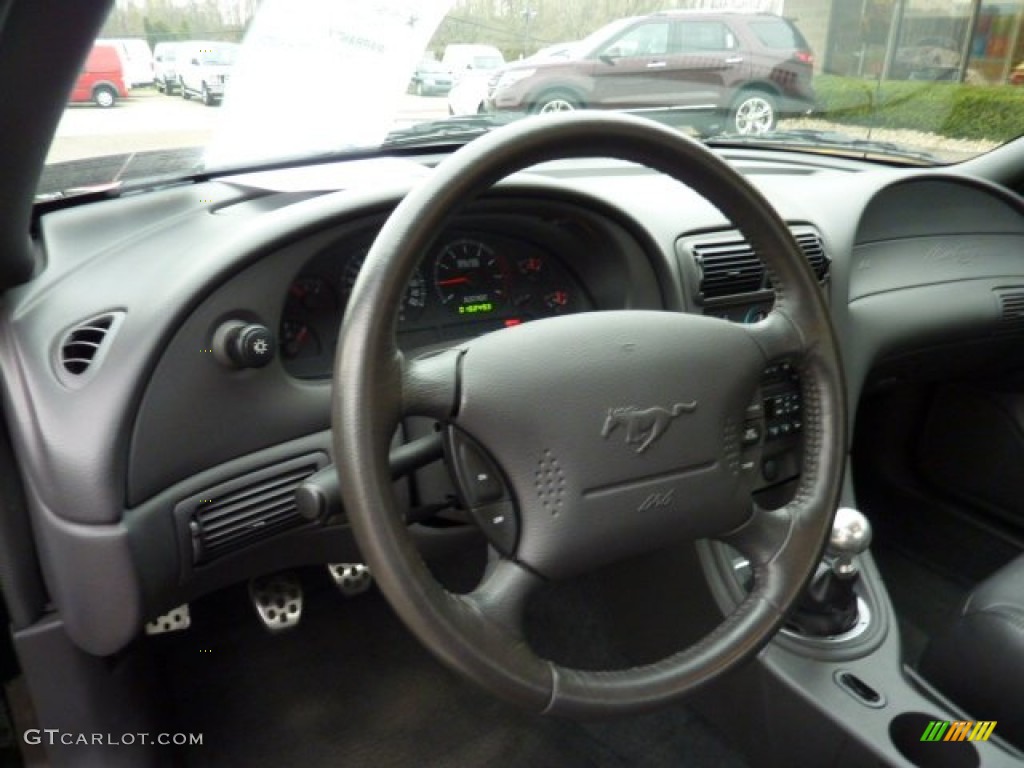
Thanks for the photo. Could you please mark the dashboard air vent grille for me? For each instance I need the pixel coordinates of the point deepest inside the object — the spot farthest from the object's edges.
(79, 351)
(729, 267)
(81, 346)
(1011, 308)
(810, 243)
(248, 509)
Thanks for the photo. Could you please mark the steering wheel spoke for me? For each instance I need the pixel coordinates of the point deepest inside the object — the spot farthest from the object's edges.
(501, 596)
(778, 337)
(430, 385)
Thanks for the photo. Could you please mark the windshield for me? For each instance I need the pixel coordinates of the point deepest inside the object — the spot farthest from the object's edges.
(237, 85)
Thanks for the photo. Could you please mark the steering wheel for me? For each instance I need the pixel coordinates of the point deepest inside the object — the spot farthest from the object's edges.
(582, 439)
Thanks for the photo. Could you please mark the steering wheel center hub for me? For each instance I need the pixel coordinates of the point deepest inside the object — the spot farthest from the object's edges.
(615, 430)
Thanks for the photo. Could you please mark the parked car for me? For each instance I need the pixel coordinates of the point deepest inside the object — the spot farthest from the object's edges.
(165, 72)
(459, 57)
(102, 77)
(139, 58)
(930, 58)
(746, 69)
(470, 92)
(431, 78)
(204, 67)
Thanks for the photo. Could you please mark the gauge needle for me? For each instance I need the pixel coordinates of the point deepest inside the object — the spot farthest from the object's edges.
(454, 281)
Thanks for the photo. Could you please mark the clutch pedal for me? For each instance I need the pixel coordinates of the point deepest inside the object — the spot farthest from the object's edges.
(277, 599)
(350, 578)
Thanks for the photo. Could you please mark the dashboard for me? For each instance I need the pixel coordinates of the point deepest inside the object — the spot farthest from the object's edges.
(129, 452)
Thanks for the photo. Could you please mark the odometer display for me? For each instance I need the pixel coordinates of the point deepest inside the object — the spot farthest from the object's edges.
(470, 277)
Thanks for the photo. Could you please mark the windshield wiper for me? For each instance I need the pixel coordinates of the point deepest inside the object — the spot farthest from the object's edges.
(831, 142)
(451, 130)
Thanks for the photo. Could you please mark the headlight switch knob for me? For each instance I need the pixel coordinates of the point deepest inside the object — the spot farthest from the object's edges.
(243, 345)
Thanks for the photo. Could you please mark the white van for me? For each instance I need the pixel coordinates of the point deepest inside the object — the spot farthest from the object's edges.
(165, 69)
(138, 58)
(203, 69)
(459, 57)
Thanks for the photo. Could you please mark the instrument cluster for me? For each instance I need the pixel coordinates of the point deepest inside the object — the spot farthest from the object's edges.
(468, 285)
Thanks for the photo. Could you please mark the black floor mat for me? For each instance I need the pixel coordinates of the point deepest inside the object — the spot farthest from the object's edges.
(351, 687)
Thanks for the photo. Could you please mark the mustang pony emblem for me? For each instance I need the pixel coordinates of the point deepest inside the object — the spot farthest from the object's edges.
(645, 426)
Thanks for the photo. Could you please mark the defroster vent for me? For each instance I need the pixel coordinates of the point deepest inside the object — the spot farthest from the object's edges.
(247, 509)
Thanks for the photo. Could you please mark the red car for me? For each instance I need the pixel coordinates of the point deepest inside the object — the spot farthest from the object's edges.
(102, 79)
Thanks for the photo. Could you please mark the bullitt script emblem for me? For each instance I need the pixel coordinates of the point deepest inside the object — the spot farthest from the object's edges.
(644, 426)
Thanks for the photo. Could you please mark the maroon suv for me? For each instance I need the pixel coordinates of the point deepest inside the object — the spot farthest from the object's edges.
(743, 68)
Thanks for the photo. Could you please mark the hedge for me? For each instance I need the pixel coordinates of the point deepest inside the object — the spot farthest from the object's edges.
(954, 110)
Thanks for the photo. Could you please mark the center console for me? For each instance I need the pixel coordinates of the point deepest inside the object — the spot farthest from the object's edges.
(833, 688)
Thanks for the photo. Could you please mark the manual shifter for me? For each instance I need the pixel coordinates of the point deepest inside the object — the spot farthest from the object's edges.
(829, 604)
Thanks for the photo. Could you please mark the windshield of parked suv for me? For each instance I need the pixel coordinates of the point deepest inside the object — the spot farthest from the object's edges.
(926, 82)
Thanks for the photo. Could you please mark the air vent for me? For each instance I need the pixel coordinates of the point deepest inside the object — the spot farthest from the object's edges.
(247, 509)
(729, 267)
(1011, 308)
(82, 347)
(814, 249)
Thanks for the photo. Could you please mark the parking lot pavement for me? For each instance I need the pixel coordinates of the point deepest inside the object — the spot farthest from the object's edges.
(149, 120)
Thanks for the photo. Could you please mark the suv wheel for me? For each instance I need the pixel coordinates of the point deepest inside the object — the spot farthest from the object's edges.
(208, 99)
(104, 96)
(753, 113)
(184, 91)
(556, 101)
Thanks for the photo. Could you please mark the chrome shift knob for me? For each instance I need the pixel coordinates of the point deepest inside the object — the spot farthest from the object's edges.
(851, 535)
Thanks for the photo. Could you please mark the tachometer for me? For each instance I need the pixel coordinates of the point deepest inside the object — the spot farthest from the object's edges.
(470, 277)
(414, 299)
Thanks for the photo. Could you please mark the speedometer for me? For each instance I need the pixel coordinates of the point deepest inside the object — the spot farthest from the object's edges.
(470, 277)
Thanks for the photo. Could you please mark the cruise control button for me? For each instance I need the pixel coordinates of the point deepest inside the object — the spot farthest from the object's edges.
(499, 524)
(751, 433)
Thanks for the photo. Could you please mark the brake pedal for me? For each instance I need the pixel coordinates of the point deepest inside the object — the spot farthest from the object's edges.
(277, 599)
(350, 578)
(173, 621)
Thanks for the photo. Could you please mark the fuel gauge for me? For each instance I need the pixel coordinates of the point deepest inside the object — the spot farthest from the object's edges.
(298, 340)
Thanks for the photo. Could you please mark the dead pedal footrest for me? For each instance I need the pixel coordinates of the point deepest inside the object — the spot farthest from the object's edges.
(174, 620)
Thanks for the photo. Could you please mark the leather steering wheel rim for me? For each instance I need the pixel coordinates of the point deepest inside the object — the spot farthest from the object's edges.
(557, 505)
